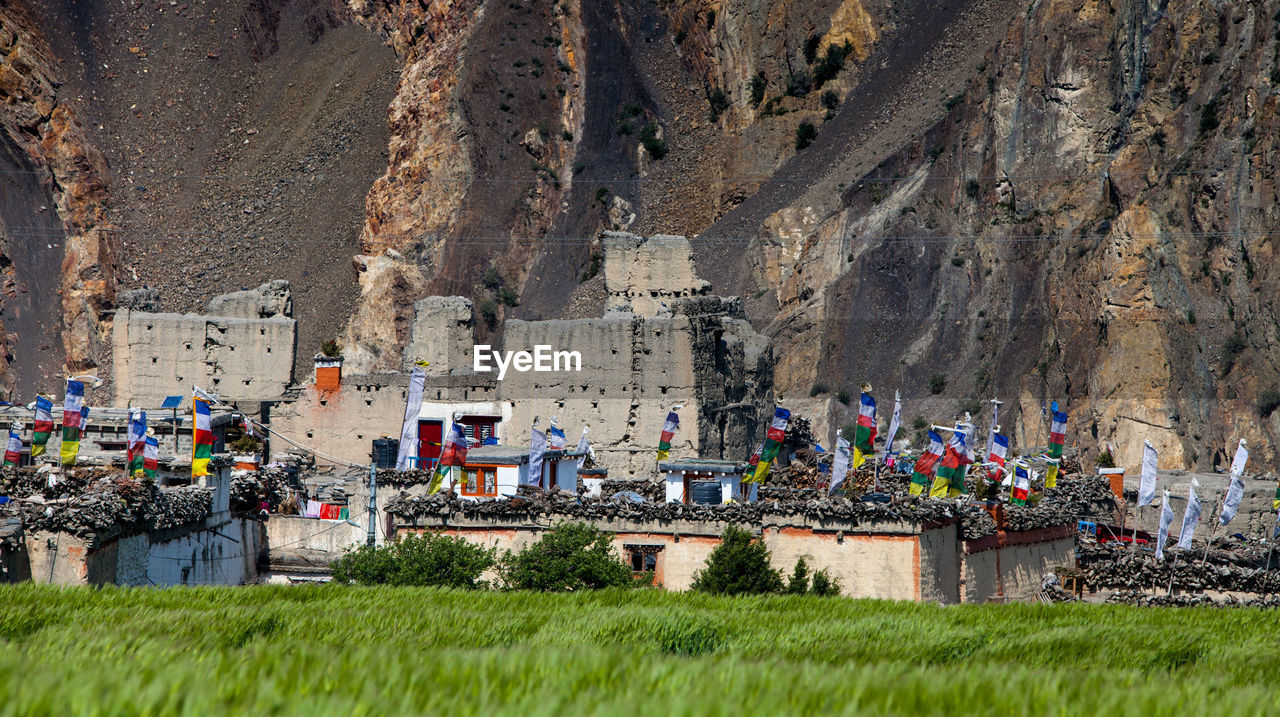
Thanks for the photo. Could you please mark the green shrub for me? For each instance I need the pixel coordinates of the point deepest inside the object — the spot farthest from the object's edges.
(489, 312)
(824, 585)
(937, 383)
(654, 145)
(831, 64)
(508, 297)
(798, 583)
(739, 565)
(331, 349)
(816, 389)
(1268, 402)
(849, 431)
(570, 556)
(1106, 460)
(428, 559)
(804, 135)
(1231, 350)
(492, 279)
(830, 99)
(758, 85)
(719, 102)
(1209, 116)
(799, 84)
(844, 397)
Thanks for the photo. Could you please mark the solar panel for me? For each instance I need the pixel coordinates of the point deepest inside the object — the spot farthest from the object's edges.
(172, 401)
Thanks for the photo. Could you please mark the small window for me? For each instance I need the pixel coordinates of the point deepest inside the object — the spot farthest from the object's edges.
(480, 482)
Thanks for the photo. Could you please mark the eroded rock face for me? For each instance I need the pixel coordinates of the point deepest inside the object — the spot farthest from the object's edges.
(1111, 160)
(34, 118)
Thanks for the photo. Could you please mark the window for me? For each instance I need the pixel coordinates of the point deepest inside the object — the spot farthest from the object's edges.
(480, 481)
(479, 428)
(643, 558)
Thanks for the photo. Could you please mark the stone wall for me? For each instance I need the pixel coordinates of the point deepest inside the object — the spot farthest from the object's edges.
(1015, 571)
(640, 274)
(635, 370)
(245, 353)
(443, 334)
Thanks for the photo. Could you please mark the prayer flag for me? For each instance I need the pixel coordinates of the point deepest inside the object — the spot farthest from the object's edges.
(999, 449)
(924, 468)
(894, 422)
(755, 457)
(454, 454)
(1021, 485)
(584, 448)
(1147, 486)
(1057, 439)
(1191, 517)
(537, 447)
(201, 435)
(864, 434)
(409, 426)
(71, 418)
(555, 438)
(43, 426)
(1235, 492)
(150, 457)
(955, 463)
(1166, 519)
(669, 428)
(13, 449)
(839, 464)
(136, 441)
(774, 437)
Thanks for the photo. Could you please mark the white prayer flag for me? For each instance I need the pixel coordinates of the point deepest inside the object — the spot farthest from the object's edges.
(409, 428)
(1235, 492)
(839, 465)
(1166, 519)
(1190, 518)
(537, 447)
(1147, 487)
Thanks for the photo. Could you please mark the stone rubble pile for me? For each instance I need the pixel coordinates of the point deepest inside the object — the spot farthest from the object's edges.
(271, 484)
(1075, 498)
(1147, 599)
(110, 507)
(1238, 569)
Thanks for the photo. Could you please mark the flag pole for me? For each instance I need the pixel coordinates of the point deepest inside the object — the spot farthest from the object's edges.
(1213, 529)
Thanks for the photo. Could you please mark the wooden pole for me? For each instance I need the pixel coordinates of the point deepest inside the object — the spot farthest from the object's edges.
(1172, 565)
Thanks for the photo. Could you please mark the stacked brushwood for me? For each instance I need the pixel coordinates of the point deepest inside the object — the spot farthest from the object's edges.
(531, 503)
(1242, 568)
(648, 489)
(269, 483)
(1146, 599)
(108, 507)
(413, 476)
(1075, 496)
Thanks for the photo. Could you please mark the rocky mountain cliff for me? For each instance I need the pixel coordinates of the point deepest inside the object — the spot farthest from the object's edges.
(1068, 200)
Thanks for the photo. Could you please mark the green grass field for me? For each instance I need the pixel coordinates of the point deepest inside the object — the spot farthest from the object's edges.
(390, 651)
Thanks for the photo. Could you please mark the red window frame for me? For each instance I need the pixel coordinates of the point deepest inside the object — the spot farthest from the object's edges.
(485, 484)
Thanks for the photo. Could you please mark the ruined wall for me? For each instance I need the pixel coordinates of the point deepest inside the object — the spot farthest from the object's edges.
(635, 369)
(158, 355)
(294, 541)
(643, 275)
(443, 334)
(1014, 571)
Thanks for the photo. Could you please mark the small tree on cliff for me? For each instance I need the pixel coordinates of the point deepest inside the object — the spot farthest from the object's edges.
(740, 564)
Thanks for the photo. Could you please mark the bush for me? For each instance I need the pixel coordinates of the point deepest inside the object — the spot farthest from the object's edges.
(758, 85)
(1106, 460)
(844, 397)
(246, 444)
(489, 312)
(804, 135)
(937, 383)
(739, 565)
(830, 100)
(799, 84)
(823, 585)
(654, 145)
(1268, 402)
(570, 556)
(331, 349)
(428, 559)
(849, 432)
(798, 583)
(492, 279)
(1209, 116)
(831, 64)
(1231, 350)
(719, 102)
(817, 388)
(508, 297)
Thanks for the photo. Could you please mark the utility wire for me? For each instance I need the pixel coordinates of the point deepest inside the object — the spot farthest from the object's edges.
(140, 236)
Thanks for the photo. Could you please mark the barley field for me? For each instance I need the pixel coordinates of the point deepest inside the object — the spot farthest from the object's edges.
(387, 651)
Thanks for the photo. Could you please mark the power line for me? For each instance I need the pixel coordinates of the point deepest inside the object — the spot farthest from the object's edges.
(138, 235)
(763, 178)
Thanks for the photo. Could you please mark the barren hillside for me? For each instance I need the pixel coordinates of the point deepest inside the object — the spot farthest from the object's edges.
(1065, 200)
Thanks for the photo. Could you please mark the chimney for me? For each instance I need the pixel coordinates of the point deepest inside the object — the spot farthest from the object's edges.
(328, 372)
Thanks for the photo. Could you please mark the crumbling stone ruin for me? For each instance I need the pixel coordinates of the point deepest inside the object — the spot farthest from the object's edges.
(241, 348)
